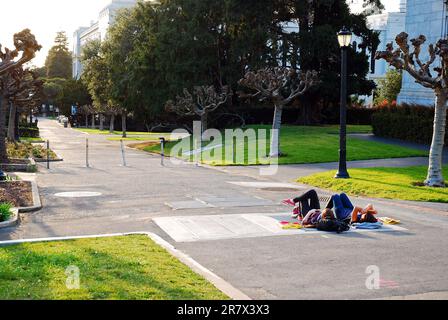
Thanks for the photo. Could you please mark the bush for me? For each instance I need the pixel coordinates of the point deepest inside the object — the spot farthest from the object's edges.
(29, 132)
(25, 150)
(411, 123)
(5, 211)
(356, 115)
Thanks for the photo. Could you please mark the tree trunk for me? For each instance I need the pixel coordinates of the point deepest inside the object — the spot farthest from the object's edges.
(112, 123)
(204, 122)
(123, 124)
(435, 174)
(12, 122)
(87, 120)
(16, 126)
(275, 136)
(93, 121)
(3, 110)
(101, 122)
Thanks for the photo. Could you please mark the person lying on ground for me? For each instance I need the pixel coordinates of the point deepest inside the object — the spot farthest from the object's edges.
(306, 202)
(344, 209)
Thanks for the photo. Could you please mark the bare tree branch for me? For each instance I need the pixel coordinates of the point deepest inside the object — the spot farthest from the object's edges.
(282, 85)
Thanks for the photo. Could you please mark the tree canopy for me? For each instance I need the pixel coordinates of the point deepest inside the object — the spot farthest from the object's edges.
(59, 60)
(154, 51)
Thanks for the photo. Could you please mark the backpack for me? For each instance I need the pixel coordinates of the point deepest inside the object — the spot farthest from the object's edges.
(329, 225)
(312, 218)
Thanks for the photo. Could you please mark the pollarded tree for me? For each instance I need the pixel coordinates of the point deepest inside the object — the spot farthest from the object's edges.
(281, 86)
(203, 101)
(26, 46)
(405, 58)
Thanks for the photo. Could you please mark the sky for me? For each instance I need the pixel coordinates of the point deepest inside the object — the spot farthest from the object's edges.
(46, 17)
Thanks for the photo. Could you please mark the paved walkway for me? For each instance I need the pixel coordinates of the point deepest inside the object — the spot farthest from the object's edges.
(412, 260)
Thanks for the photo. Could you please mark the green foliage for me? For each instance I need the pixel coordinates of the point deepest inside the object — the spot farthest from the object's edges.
(29, 132)
(25, 150)
(389, 88)
(408, 122)
(385, 183)
(59, 60)
(73, 92)
(52, 89)
(153, 51)
(317, 44)
(5, 211)
(96, 76)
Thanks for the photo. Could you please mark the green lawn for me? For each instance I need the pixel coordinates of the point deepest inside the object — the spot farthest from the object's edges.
(152, 137)
(303, 145)
(106, 132)
(128, 268)
(131, 135)
(388, 183)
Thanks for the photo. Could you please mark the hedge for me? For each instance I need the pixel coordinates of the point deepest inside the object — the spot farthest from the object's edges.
(29, 132)
(411, 123)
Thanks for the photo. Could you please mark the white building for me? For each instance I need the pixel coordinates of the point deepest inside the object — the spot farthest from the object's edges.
(389, 24)
(97, 30)
(415, 17)
(427, 17)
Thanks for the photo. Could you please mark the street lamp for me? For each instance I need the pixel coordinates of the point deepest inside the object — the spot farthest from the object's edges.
(344, 39)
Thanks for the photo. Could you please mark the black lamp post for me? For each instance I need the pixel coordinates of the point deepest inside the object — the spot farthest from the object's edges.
(344, 38)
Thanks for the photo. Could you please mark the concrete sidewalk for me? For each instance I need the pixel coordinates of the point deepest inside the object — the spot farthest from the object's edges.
(411, 261)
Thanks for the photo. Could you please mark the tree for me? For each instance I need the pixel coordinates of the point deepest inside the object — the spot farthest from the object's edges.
(202, 102)
(405, 58)
(281, 86)
(96, 78)
(389, 88)
(72, 93)
(116, 52)
(24, 86)
(26, 46)
(315, 47)
(59, 60)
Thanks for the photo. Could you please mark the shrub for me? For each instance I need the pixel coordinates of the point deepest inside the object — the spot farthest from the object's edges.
(389, 88)
(405, 122)
(25, 150)
(29, 132)
(5, 211)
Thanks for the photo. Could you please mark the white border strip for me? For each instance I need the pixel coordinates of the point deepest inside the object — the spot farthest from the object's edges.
(218, 282)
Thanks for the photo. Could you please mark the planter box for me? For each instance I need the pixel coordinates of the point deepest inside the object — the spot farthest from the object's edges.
(19, 165)
(12, 221)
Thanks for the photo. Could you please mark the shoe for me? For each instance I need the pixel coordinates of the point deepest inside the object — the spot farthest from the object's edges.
(289, 202)
(296, 214)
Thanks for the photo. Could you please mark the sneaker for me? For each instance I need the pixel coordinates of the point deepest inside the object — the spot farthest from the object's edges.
(296, 214)
(289, 202)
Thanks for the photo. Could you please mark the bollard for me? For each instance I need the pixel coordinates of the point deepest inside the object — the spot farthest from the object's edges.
(123, 156)
(162, 153)
(48, 154)
(87, 153)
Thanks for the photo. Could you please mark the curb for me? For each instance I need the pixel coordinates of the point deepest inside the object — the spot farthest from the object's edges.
(36, 199)
(51, 160)
(218, 282)
(11, 222)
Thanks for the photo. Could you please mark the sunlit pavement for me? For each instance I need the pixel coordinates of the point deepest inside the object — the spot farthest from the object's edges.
(411, 261)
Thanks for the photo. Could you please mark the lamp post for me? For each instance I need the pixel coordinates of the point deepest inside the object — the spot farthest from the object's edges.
(344, 38)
